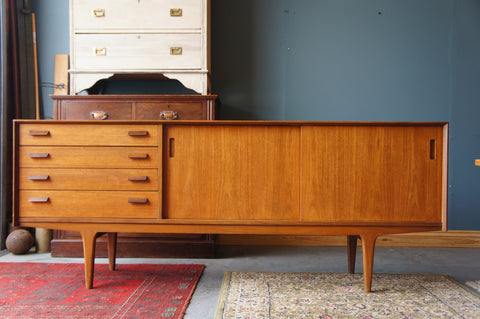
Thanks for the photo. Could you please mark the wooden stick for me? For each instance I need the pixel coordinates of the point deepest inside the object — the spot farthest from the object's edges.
(35, 64)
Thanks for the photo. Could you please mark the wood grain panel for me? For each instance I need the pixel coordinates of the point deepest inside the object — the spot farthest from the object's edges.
(88, 157)
(185, 111)
(88, 179)
(231, 172)
(372, 173)
(88, 134)
(81, 111)
(88, 204)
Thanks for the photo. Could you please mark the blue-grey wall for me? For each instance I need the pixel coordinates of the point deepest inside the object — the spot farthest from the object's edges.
(346, 60)
(465, 118)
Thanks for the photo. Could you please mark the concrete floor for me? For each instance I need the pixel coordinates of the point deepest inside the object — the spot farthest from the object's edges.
(463, 264)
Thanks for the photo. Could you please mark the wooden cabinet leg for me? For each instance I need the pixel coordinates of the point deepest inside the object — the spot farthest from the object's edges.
(368, 248)
(89, 239)
(112, 250)
(352, 252)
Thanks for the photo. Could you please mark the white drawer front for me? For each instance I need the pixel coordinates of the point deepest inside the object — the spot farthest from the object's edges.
(137, 14)
(137, 51)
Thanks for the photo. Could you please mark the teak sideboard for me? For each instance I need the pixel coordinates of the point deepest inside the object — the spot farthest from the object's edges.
(361, 180)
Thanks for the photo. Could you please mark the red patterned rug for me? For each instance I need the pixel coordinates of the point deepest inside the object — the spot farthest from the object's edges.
(41, 290)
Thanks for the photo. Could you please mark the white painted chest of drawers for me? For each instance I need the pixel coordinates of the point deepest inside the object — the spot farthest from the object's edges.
(170, 37)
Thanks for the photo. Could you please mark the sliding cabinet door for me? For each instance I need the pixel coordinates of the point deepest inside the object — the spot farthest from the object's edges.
(231, 172)
(372, 174)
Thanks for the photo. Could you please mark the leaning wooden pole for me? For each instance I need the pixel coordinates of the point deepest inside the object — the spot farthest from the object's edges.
(35, 66)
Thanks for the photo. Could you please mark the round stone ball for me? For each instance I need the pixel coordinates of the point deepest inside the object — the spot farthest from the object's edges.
(19, 241)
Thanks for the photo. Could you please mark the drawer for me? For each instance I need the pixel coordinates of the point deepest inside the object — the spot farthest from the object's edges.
(139, 15)
(88, 204)
(137, 51)
(96, 110)
(88, 179)
(87, 157)
(174, 111)
(88, 134)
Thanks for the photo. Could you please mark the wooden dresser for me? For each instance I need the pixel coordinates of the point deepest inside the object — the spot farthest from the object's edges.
(136, 107)
(231, 177)
(170, 37)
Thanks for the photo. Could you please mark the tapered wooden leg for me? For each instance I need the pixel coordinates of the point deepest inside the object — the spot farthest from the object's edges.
(368, 248)
(89, 239)
(352, 252)
(112, 250)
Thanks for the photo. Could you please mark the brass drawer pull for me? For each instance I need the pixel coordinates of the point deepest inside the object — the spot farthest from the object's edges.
(100, 51)
(138, 156)
(38, 199)
(137, 133)
(98, 13)
(176, 12)
(38, 177)
(176, 51)
(98, 115)
(137, 178)
(38, 133)
(168, 115)
(133, 200)
(38, 155)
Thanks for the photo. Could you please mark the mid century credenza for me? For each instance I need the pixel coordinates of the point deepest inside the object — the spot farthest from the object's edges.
(231, 177)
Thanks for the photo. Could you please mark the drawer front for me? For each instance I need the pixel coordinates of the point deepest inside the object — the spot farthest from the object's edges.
(95, 110)
(132, 14)
(88, 134)
(87, 157)
(137, 51)
(88, 204)
(88, 179)
(171, 111)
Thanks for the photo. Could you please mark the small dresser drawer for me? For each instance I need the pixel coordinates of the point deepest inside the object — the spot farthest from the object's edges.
(87, 157)
(138, 52)
(131, 14)
(96, 110)
(170, 111)
(88, 179)
(88, 204)
(88, 135)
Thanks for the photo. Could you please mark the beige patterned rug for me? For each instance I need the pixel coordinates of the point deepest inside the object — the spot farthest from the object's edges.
(265, 295)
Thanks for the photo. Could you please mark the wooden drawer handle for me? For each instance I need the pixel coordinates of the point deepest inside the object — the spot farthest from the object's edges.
(138, 156)
(168, 115)
(38, 133)
(98, 115)
(133, 200)
(137, 178)
(137, 133)
(176, 12)
(38, 199)
(38, 177)
(38, 155)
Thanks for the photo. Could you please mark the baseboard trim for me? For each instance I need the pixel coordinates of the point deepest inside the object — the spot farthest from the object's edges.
(452, 238)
